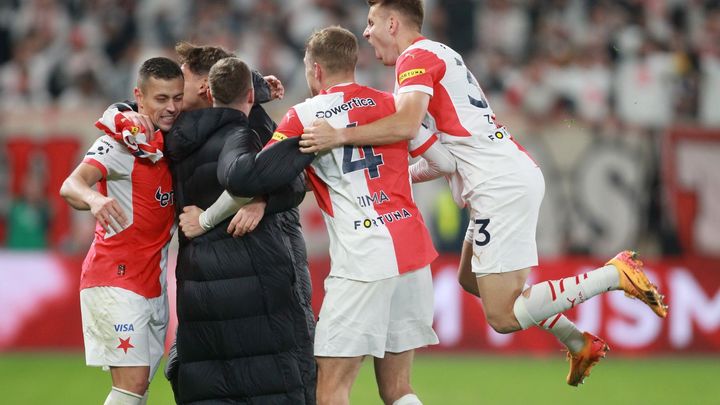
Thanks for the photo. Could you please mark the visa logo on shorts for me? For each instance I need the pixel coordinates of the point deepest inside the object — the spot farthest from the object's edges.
(409, 73)
(124, 327)
(351, 104)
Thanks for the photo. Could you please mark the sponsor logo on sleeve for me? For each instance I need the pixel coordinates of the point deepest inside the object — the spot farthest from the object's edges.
(410, 73)
(277, 136)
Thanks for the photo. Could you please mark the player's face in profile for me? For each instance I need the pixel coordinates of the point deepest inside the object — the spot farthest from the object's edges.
(378, 34)
(195, 87)
(161, 100)
(313, 84)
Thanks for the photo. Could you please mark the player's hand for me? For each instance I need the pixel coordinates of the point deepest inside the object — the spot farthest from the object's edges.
(141, 121)
(190, 222)
(108, 213)
(247, 218)
(277, 90)
(320, 137)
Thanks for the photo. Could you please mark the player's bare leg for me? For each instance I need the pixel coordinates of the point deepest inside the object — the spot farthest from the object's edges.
(393, 378)
(129, 385)
(466, 278)
(335, 378)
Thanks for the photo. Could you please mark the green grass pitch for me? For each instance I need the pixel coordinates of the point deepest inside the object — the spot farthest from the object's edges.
(50, 378)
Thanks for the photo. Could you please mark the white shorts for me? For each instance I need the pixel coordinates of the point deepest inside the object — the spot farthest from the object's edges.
(122, 328)
(503, 222)
(360, 318)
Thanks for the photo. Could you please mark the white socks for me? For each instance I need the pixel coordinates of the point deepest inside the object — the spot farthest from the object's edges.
(408, 399)
(119, 396)
(549, 299)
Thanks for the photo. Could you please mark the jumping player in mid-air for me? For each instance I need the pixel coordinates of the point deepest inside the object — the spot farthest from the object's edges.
(497, 179)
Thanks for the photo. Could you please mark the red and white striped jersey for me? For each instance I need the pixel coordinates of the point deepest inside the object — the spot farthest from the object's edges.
(135, 258)
(375, 229)
(460, 113)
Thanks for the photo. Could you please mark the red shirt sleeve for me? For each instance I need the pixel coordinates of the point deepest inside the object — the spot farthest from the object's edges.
(289, 127)
(419, 70)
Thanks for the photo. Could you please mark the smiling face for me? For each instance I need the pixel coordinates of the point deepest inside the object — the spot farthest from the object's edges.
(380, 35)
(161, 100)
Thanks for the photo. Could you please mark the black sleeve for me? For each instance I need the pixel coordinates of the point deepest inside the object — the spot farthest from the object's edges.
(287, 197)
(245, 172)
(262, 89)
(261, 123)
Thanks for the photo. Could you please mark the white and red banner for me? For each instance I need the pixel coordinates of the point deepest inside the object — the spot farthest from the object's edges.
(39, 308)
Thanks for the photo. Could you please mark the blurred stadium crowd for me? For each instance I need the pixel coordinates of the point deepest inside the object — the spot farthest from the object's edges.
(594, 68)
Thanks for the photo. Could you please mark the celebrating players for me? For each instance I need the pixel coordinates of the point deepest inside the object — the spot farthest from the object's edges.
(495, 177)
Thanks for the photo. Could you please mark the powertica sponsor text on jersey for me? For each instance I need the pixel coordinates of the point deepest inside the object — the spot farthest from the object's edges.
(349, 105)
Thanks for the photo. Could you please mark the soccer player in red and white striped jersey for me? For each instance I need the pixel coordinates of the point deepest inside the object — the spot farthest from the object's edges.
(500, 183)
(122, 286)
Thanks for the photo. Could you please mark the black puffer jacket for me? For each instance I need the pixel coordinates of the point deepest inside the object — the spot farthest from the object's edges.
(243, 335)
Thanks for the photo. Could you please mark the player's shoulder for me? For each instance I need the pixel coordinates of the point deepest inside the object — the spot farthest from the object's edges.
(426, 48)
(105, 145)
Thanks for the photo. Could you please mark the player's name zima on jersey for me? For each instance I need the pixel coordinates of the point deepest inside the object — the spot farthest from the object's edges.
(135, 258)
(460, 113)
(376, 230)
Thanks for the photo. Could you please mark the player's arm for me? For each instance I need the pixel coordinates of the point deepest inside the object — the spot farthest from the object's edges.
(436, 162)
(402, 125)
(245, 172)
(77, 191)
(194, 221)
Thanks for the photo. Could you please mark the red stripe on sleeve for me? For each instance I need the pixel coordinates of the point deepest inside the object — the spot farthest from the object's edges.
(425, 146)
(100, 166)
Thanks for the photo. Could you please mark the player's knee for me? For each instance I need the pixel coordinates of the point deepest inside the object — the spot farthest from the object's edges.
(389, 393)
(135, 384)
(502, 323)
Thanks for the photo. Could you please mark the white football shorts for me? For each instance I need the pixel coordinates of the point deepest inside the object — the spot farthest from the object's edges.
(360, 318)
(503, 222)
(122, 328)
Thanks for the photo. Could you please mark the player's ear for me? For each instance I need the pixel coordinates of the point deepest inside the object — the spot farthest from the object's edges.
(209, 95)
(317, 71)
(203, 86)
(138, 96)
(251, 96)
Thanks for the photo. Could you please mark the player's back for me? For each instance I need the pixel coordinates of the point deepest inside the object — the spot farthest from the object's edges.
(459, 112)
(375, 228)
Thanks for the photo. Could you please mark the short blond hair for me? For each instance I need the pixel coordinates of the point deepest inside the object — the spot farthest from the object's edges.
(334, 48)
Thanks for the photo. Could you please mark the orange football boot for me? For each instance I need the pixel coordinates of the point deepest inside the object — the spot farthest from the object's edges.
(582, 361)
(636, 284)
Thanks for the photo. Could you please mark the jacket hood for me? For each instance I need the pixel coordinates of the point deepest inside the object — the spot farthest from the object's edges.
(193, 128)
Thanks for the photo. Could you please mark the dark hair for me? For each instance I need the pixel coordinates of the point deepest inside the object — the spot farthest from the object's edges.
(199, 59)
(412, 9)
(229, 79)
(158, 68)
(335, 48)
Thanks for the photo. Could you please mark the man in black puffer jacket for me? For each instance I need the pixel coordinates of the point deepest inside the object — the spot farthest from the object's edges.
(240, 322)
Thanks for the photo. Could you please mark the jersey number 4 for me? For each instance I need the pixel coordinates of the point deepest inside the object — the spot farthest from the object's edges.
(368, 160)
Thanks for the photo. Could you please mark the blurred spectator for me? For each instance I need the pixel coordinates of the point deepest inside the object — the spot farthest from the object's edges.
(609, 67)
(29, 217)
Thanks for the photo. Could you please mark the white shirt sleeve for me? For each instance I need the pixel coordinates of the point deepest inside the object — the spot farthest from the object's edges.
(110, 157)
(222, 208)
